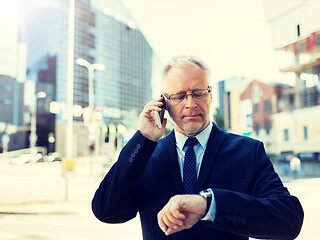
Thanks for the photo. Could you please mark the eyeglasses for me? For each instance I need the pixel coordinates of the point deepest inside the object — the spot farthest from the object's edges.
(197, 95)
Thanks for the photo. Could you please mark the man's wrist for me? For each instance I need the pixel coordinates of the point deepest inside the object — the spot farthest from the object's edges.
(211, 206)
(207, 194)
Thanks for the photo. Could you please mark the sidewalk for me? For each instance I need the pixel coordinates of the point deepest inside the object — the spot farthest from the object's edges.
(40, 188)
(33, 206)
(32, 203)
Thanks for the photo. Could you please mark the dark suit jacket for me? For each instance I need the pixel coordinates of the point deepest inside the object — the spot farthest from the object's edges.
(250, 198)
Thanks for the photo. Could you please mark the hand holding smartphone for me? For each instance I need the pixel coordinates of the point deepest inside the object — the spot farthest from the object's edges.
(159, 116)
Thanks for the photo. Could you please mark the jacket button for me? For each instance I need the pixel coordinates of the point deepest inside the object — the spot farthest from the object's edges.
(135, 151)
(131, 159)
(138, 146)
(132, 155)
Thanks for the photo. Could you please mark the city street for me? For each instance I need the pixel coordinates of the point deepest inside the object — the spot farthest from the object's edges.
(33, 203)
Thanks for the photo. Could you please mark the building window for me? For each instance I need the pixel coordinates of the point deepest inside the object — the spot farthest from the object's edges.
(291, 99)
(305, 132)
(7, 88)
(267, 127)
(257, 128)
(256, 107)
(266, 105)
(6, 101)
(286, 135)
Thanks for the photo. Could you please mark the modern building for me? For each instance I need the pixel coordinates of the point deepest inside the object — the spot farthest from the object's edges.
(258, 103)
(104, 33)
(295, 35)
(232, 110)
(249, 109)
(13, 133)
(297, 131)
(223, 87)
(12, 75)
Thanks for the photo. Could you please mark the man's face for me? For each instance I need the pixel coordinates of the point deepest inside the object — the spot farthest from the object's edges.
(190, 116)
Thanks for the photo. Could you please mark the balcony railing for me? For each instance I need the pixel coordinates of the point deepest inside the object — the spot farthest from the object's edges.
(300, 55)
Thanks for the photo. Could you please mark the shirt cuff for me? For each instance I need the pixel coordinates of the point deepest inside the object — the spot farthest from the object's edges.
(211, 214)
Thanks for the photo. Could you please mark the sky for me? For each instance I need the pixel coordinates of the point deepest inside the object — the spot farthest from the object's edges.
(9, 31)
(231, 36)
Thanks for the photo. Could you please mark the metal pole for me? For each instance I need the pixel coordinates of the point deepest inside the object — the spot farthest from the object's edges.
(33, 127)
(69, 135)
(91, 89)
(66, 195)
(70, 64)
(92, 126)
(91, 106)
(33, 134)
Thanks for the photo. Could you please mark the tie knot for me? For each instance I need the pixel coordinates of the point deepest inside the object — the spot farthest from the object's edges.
(191, 142)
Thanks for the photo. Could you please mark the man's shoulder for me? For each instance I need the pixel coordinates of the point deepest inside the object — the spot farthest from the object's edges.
(240, 139)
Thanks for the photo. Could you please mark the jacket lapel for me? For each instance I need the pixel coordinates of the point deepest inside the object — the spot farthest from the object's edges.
(214, 143)
(171, 156)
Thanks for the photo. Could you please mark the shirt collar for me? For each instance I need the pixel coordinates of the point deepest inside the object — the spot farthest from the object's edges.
(202, 137)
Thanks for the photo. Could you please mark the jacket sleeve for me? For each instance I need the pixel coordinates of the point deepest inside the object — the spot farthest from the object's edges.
(115, 200)
(268, 212)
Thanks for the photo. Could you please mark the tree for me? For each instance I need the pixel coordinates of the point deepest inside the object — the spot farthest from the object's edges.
(218, 119)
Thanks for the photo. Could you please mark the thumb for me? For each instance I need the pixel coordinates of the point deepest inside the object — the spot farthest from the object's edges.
(164, 123)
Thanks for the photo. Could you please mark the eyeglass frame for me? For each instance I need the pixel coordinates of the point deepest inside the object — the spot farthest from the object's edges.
(186, 95)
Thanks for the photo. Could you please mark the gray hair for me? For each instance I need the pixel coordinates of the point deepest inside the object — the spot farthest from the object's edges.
(182, 61)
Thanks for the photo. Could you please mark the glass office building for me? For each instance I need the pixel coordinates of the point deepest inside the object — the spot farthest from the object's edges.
(104, 33)
(12, 75)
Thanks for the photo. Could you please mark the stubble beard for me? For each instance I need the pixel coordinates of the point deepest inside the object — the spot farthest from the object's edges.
(191, 128)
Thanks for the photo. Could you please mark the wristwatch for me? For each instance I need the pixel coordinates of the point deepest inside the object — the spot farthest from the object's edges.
(207, 194)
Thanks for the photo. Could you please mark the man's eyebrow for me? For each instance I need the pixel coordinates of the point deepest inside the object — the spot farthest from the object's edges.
(184, 92)
(179, 92)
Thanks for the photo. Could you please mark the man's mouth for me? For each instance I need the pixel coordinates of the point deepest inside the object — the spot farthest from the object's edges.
(191, 116)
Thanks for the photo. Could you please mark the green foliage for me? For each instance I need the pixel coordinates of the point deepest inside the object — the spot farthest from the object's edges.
(219, 120)
(272, 157)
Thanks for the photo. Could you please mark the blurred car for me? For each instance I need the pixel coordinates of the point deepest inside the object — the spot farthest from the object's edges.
(26, 158)
(52, 157)
(283, 158)
(309, 156)
(21, 159)
(38, 157)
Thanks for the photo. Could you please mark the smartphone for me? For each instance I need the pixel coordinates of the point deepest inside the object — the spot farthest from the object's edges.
(159, 117)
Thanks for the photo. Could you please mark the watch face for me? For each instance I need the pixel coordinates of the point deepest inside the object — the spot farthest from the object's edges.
(206, 193)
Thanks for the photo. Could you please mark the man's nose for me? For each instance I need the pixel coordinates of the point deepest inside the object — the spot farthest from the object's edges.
(190, 102)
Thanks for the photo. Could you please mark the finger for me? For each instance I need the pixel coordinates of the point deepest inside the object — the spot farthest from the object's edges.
(156, 102)
(165, 224)
(148, 113)
(167, 221)
(171, 221)
(164, 123)
(151, 110)
(178, 215)
(171, 230)
(161, 223)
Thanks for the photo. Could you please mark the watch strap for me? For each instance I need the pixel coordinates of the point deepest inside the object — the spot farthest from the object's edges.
(207, 194)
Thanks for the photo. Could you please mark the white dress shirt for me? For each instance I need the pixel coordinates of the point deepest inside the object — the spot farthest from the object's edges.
(199, 150)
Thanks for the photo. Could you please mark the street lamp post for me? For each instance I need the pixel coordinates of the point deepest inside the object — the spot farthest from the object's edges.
(91, 67)
(33, 132)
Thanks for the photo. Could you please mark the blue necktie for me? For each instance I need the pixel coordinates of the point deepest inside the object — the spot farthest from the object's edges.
(189, 167)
